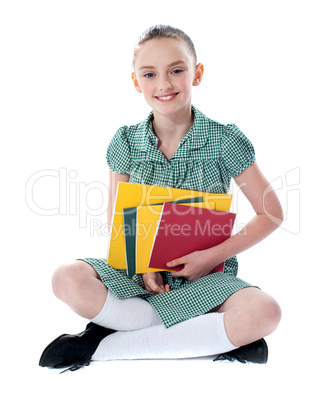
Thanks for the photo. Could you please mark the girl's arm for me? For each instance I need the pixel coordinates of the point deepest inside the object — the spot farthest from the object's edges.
(113, 180)
(268, 217)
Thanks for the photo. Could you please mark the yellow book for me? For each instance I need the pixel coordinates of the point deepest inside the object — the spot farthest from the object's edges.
(133, 195)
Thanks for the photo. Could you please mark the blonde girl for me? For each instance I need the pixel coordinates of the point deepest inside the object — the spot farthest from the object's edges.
(191, 312)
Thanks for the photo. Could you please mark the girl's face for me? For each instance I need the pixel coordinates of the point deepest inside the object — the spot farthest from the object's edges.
(164, 72)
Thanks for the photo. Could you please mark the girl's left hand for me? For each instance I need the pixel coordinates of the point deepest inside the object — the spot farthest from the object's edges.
(196, 265)
(153, 283)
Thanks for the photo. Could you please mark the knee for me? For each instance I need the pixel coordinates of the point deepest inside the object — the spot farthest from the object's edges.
(65, 279)
(59, 280)
(269, 314)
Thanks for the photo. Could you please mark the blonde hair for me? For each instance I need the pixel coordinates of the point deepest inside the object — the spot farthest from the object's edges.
(165, 31)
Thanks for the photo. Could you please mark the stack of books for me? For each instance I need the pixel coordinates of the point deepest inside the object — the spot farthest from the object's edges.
(154, 225)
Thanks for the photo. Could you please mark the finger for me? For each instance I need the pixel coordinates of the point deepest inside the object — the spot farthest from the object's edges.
(151, 291)
(150, 286)
(179, 274)
(156, 288)
(148, 289)
(174, 263)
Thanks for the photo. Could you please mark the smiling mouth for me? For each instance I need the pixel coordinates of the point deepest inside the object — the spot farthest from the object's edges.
(166, 97)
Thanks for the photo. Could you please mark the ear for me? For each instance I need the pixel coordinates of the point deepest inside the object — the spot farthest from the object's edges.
(136, 83)
(198, 74)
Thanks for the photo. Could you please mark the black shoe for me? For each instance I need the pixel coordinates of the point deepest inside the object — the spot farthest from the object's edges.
(256, 352)
(74, 351)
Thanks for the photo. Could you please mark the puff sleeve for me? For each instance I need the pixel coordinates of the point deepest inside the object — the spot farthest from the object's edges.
(237, 151)
(118, 152)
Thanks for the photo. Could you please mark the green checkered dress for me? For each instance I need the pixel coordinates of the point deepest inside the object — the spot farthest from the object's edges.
(206, 159)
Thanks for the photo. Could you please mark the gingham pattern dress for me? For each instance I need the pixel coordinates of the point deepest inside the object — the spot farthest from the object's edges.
(206, 159)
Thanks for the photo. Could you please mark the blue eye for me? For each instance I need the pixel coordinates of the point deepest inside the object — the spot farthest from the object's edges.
(149, 75)
(177, 71)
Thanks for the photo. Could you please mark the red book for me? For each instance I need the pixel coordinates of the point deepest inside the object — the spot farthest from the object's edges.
(183, 229)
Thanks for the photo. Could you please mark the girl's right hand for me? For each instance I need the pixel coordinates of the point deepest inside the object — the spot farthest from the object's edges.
(153, 283)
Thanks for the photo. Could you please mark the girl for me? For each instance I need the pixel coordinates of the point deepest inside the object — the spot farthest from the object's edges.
(190, 312)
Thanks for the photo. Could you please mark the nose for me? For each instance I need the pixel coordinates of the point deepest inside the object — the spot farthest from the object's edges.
(164, 83)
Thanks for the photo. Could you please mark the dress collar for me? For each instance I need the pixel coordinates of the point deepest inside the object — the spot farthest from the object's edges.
(196, 137)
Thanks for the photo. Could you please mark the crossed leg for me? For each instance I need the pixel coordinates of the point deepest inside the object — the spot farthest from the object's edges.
(249, 314)
(79, 286)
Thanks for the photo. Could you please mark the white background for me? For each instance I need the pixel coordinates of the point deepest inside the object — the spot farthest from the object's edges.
(65, 89)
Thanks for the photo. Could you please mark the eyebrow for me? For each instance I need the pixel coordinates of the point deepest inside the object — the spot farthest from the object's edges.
(170, 65)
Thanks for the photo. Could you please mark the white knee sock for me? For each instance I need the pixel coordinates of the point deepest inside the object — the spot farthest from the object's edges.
(126, 314)
(204, 335)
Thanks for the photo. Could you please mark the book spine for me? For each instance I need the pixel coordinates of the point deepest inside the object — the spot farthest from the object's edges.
(130, 223)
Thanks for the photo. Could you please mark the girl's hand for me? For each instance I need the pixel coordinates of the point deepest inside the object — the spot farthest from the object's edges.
(196, 265)
(153, 283)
